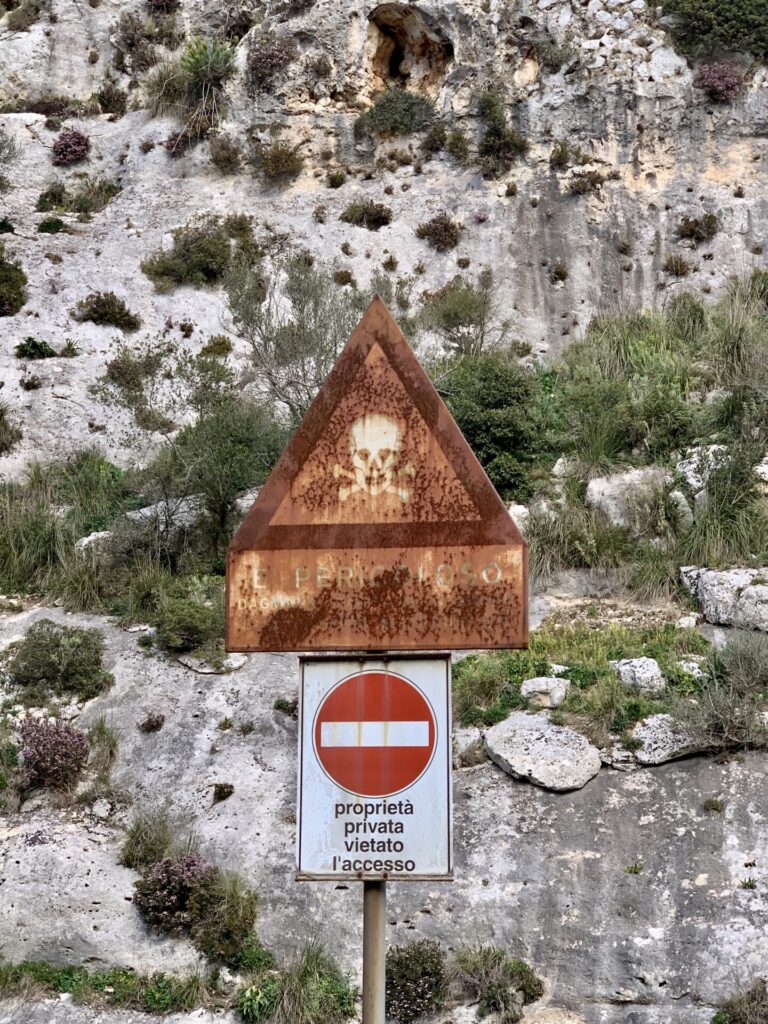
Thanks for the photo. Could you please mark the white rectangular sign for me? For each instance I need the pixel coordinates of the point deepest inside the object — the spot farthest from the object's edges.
(375, 769)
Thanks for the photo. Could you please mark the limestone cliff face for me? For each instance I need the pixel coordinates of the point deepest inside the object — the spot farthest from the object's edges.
(620, 94)
(542, 874)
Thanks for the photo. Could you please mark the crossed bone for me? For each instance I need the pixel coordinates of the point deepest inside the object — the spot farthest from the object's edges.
(393, 485)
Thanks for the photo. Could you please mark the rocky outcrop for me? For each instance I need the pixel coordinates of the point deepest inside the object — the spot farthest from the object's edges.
(733, 597)
(623, 496)
(530, 747)
(545, 691)
(643, 674)
(661, 947)
(663, 739)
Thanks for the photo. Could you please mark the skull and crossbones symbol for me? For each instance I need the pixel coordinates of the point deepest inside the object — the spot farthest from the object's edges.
(374, 447)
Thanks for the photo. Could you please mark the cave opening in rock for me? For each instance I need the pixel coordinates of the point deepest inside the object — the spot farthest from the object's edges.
(406, 49)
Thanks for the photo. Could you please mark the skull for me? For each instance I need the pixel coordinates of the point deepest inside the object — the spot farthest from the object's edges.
(374, 445)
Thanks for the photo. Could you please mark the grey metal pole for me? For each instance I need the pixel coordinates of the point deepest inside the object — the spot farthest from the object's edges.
(374, 951)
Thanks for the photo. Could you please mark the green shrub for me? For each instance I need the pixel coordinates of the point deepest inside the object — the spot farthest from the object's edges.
(223, 911)
(28, 13)
(51, 226)
(494, 981)
(200, 255)
(112, 99)
(415, 983)
(585, 182)
(441, 232)
(207, 63)
(10, 434)
(278, 161)
(6, 226)
(500, 146)
(716, 27)
(190, 619)
(106, 308)
(13, 285)
(62, 660)
(311, 990)
(395, 112)
(493, 400)
(33, 348)
(699, 229)
(365, 213)
(457, 144)
(564, 155)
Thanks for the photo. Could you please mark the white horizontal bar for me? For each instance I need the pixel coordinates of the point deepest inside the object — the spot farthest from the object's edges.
(374, 734)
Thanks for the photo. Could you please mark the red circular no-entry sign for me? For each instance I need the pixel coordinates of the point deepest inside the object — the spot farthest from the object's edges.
(374, 733)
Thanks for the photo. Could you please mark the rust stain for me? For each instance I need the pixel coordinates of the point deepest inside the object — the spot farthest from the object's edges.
(378, 528)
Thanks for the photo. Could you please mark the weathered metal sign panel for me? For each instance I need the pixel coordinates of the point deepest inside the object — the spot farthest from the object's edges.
(378, 529)
(375, 769)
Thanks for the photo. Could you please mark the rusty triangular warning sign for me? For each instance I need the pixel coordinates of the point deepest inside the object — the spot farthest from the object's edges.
(378, 529)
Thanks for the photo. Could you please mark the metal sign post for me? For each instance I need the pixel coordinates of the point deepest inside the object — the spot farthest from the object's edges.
(374, 951)
(377, 532)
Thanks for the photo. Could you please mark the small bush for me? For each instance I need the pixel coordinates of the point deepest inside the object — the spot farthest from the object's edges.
(218, 346)
(223, 913)
(441, 232)
(70, 147)
(699, 229)
(415, 983)
(748, 1007)
(188, 623)
(112, 99)
(564, 155)
(164, 895)
(731, 698)
(336, 177)
(51, 226)
(154, 722)
(13, 285)
(33, 348)
(201, 254)
(106, 308)
(64, 660)
(312, 990)
(149, 838)
(6, 226)
(278, 161)
(364, 213)
(226, 155)
(10, 434)
(54, 753)
(28, 13)
(586, 182)
(500, 145)
(723, 83)
(676, 265)
(457, 145)
(495, 982)
(268, 57)
(395, 112)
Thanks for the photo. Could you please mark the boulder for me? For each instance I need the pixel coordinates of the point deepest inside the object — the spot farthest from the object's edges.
(732, 597)
(642, 673)
(621, 495)
(520, 515)
(663, 740)
(552, 756)
(467, 747)
(545, 691)
(699, 463)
